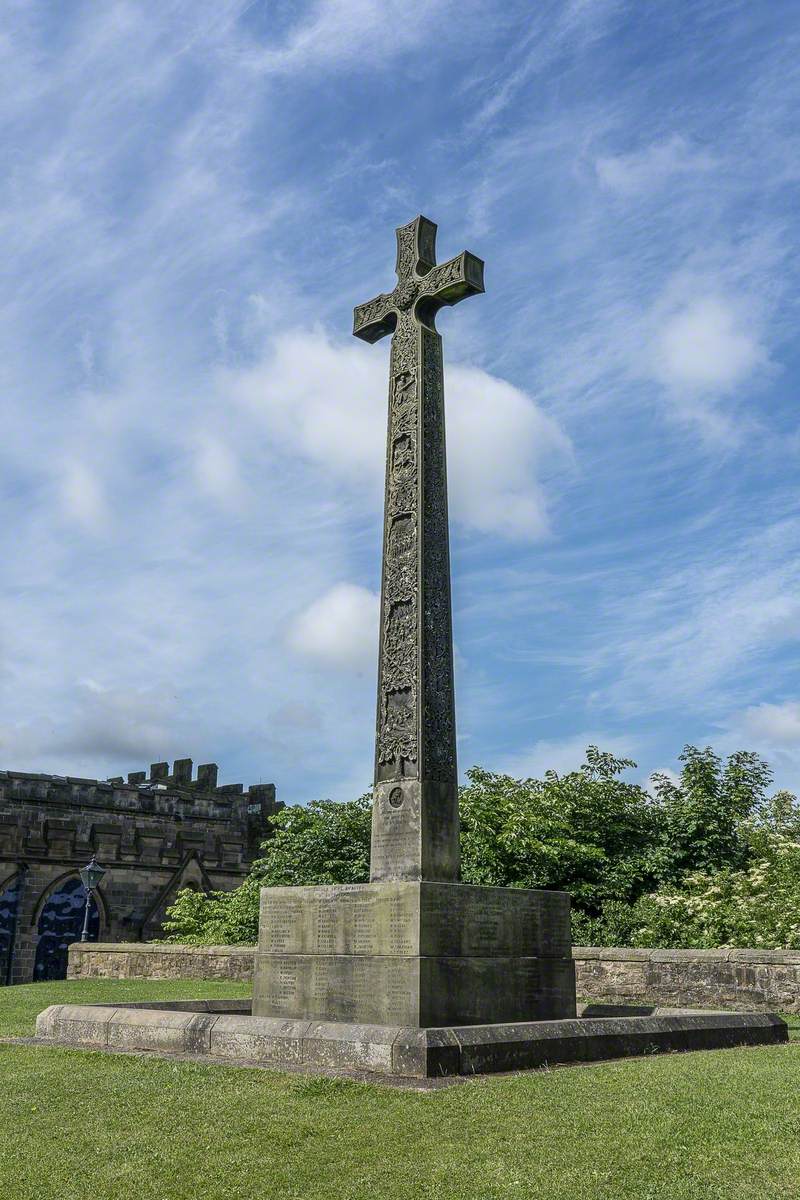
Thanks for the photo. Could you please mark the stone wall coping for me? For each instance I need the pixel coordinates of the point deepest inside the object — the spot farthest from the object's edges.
(623, 954)
(721, 955)
(724, 954)
(608, 953)
(156, 948)
(581, 953)
(765, 956)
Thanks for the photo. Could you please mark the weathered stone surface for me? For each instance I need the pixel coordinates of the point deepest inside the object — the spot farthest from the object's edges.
(423, 918)
(354, 1047)
(259, 1038)
(413, 953)
(409, 1052)
(521, 1046)
(426, 1053)
(415, 811)
(152, 1029)
(46, 1019)
(736, 979)
(411, 990)
(784, 957)
(76, 1023)
(241, 1007)
(126, 960)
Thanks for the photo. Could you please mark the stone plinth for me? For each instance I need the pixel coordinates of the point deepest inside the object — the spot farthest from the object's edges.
(414, 954)
(224, 1031)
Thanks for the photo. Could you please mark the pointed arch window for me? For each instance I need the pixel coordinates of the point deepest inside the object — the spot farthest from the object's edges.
(60, 924)
(10, 894)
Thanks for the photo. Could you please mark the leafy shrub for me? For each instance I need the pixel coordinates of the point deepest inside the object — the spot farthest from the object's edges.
(709, 860)
(757, 906)
(323, 842)
(702, 816)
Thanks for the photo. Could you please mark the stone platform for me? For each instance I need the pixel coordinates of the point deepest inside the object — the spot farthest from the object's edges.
(414, 953)
(224, 1030)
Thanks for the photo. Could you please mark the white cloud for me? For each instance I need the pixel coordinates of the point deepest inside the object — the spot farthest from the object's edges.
(500, 443)
(707, 345)
(771, 730)
(771, 724)
(642, 170)
(324, 401)
(564, 754)
(83, 498)
(217, 471)
(327, 401)
(340, 629)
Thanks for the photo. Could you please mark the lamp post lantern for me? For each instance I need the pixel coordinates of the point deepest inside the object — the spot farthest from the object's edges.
(90, 878)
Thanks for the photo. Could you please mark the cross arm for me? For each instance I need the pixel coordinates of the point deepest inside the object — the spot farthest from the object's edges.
(462, 276)
(374, 319)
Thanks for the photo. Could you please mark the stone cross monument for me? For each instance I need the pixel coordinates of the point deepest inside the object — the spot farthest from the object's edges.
(414, 973)
(415, 816)
(414, 949)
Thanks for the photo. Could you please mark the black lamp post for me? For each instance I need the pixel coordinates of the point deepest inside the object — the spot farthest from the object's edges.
(90, 878)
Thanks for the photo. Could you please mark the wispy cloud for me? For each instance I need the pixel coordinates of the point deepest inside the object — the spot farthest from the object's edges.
(655, 165)
(700, 633)
(191, 468)
(353, 34)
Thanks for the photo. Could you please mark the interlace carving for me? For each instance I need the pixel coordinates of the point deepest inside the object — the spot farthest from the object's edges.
(416, 724)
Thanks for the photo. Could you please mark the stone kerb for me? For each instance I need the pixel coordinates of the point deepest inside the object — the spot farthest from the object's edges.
(196, 1029)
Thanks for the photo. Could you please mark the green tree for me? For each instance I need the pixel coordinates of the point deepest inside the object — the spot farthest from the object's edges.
(710, 860)
(322, 842)
(703, 815)
(588, 832)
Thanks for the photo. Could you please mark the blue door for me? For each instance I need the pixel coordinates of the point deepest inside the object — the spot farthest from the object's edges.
(9, 903)
(60, 924)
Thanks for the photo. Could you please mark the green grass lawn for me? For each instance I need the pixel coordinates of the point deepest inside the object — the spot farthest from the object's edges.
(88, 1126)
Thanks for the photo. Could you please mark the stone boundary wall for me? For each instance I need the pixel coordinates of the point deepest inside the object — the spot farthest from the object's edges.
(148, 960)
(734, 979)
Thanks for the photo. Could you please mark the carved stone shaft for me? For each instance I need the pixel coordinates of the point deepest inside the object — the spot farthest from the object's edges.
(415, 827)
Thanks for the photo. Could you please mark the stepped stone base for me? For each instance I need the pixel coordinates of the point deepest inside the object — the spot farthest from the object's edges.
(414, 954)
(221, 1030)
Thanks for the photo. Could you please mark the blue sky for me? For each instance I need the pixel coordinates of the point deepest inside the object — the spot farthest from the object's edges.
(195, 195)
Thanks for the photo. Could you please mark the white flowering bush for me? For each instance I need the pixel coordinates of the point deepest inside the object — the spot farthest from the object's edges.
(757, 906)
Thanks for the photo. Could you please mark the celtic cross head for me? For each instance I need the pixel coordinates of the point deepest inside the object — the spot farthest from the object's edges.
(422, 287)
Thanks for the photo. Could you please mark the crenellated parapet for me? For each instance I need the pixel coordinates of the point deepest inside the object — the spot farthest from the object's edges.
(151, 819)
(154, 832)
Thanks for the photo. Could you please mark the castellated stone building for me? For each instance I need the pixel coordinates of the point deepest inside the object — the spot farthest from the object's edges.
(154, 834)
